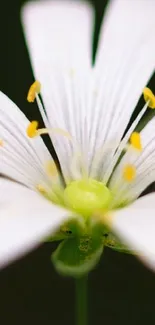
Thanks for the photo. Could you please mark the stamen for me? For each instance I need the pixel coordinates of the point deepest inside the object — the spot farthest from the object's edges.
(51, 168)
(123, 143)
(41, 189)
(135, 141)
(42, 112)
(129, 173)
(149, 97)
(32, 129)
(32, 95)
(33, 132)
(34, 89)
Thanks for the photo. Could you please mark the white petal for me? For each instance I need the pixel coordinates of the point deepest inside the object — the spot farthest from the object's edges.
(21, 158)
(58, 34)
(124, 64)
(135, 225)
(144, 162)
(26, 218)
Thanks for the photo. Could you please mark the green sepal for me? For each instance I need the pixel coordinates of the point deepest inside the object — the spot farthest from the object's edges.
(70, 229)
(113, 243)
(77, 256)
(59, 236)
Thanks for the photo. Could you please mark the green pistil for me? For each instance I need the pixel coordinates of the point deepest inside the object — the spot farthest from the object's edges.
(87, 196)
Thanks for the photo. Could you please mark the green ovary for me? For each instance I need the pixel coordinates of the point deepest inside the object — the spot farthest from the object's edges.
(87, 196)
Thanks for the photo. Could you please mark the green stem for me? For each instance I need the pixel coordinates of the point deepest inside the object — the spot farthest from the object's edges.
(81, 301)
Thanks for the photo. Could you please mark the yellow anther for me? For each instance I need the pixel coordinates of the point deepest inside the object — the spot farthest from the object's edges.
(32, 129)
(149, 97)
(135, 140)
(41, 189)
(129, 173)
(51, 168)
(34, 89)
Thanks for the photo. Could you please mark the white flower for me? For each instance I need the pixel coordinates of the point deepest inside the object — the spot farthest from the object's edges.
(87, 112)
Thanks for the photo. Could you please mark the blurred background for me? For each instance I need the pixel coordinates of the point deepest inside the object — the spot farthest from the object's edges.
(121, 290)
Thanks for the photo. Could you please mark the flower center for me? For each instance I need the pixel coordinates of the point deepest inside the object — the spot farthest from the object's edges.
(86, 196)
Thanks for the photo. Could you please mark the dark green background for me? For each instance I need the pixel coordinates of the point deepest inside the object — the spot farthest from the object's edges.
(121, 290)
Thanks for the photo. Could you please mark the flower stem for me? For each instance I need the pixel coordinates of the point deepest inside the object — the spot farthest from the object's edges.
(81, 301)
